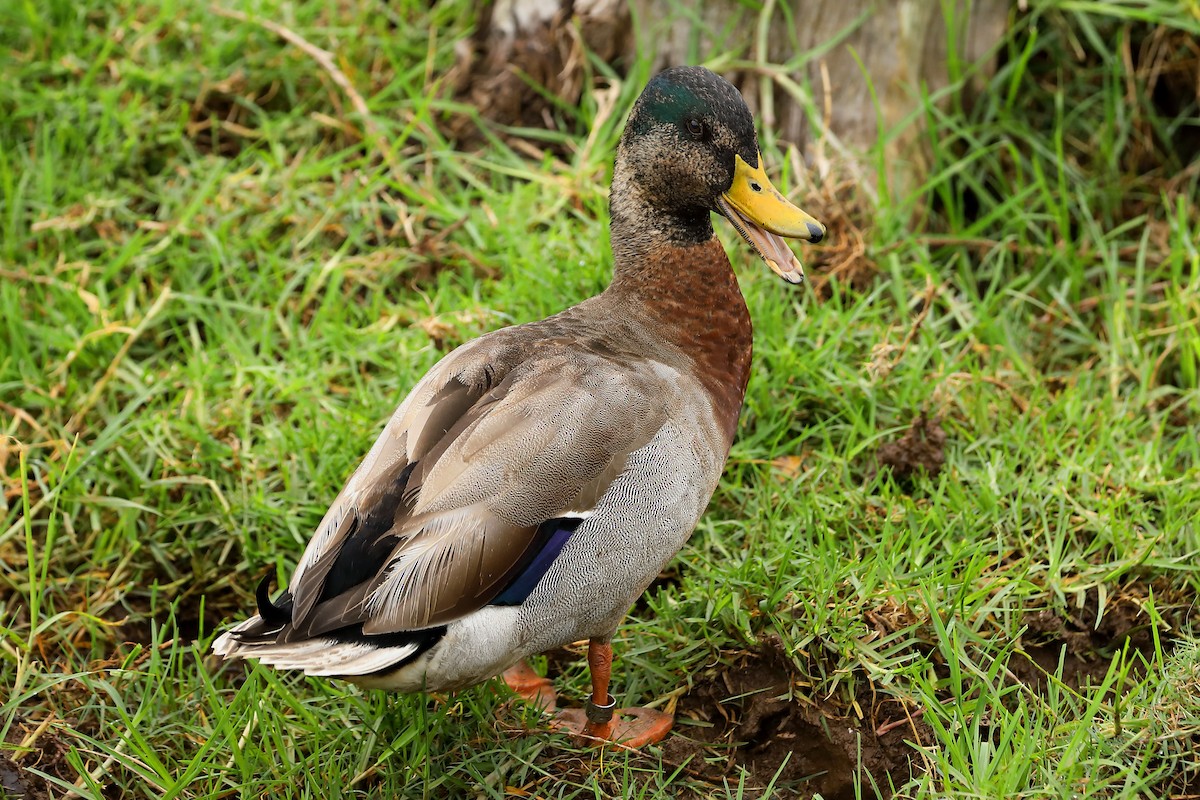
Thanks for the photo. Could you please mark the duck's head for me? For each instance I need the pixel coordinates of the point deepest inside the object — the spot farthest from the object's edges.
(689, 148)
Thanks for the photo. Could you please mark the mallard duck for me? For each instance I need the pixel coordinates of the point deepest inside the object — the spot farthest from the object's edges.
(538, 479)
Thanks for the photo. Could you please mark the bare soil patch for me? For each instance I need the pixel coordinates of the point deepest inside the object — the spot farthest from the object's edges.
(1084, 640)
(920, 449)
(33, 748)
(749, 716)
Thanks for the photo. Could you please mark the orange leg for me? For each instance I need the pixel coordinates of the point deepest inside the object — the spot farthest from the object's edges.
(601, 722)
(600, 708)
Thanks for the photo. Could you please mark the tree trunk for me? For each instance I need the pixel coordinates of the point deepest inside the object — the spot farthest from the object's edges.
(835, 51)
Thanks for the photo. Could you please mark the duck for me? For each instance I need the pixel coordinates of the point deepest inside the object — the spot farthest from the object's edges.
(537, 479)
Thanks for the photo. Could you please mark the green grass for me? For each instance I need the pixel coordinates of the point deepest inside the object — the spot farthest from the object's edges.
(203, 325)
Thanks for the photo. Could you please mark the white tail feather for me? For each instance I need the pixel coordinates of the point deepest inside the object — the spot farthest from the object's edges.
(318, 657)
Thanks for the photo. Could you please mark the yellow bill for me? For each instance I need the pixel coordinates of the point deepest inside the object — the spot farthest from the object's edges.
(763, 216)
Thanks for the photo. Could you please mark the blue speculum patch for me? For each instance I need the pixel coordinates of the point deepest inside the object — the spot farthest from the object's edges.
(518, 590)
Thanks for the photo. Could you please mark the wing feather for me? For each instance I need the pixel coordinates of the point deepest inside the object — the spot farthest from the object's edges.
(447, 504)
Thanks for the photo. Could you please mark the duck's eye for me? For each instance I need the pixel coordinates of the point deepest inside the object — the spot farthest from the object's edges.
(695, 127)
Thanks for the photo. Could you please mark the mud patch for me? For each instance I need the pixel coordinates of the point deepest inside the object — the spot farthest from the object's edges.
(12, 784)
(748, 718)
(1083, 641)
(33, 748)
(920, 450)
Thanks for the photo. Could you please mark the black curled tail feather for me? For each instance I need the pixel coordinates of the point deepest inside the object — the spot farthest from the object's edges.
(275, 616)
(273, 631)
